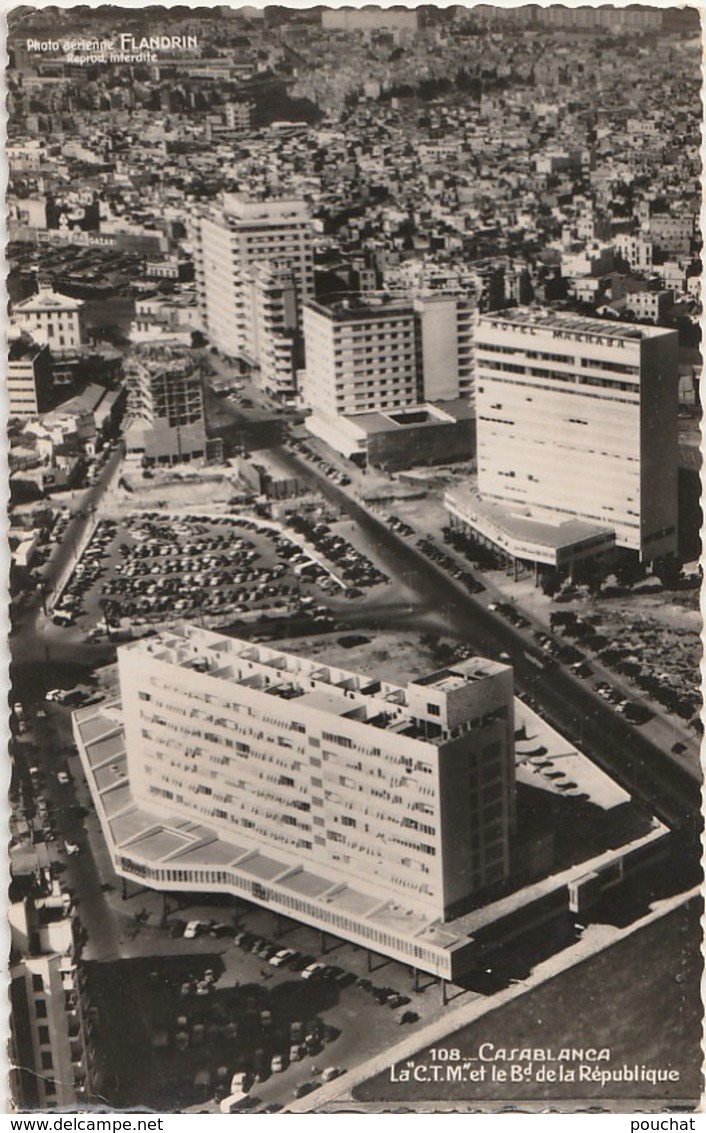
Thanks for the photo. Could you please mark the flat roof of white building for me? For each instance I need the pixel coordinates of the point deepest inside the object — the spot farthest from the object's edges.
(522, 534)
(379, 704)
(571, 324)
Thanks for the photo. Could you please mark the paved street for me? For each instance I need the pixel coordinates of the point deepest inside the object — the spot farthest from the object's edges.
(440, 604)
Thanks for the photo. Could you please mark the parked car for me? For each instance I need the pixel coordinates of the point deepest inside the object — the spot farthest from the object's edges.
(314, 971)
(330, 1073)
(282, 957)
(302, 962)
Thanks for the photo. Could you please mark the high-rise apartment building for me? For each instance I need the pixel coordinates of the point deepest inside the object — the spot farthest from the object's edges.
(271, 330)
(50, 1047)
(384, 353)
(576, 422)
(232, 242)
(375, 810)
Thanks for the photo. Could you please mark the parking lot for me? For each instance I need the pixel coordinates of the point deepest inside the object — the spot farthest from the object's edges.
(150, 567)
(215, 1006)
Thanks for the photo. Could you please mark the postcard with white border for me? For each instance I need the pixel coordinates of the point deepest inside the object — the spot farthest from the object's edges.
(353, 445)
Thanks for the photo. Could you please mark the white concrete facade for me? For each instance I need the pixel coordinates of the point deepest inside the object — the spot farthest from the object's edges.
(52, 318)
(577, 418)
(361, 355)
(45, 995)
(28, 370)
(380, 352)
(407, 790)
(233, 239)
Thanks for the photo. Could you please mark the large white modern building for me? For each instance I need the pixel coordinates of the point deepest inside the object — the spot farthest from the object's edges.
(240, 309)
(373, 810)
(384, 352)
(576, 423)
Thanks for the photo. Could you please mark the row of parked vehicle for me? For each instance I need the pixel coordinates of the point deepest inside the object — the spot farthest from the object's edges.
(352, 565)
(429, 548)
(86, 574)
(307, 966)
(331, 471)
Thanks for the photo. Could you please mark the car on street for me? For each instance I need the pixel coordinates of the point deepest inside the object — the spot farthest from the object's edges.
(397, 1000)
(63, 778)
(221, 929)
(72, 848)
(332, 973)
(305, 1088)
(235, 1100)
(193, 929)
(241, 1081)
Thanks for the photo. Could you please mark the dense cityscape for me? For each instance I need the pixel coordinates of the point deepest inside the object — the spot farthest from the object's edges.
(354, 451)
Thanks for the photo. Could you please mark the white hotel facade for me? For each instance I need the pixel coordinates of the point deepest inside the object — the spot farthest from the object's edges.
(576, 435)
(376, 811)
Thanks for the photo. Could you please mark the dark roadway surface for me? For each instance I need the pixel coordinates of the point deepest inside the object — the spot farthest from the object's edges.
(639, 765)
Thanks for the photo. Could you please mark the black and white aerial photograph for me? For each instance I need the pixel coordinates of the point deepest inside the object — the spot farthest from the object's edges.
(353, 503)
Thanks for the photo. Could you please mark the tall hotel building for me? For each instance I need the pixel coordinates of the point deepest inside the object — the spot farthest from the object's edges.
(377, 811)
(577, 438)
(383, 353)
(362, 355)
(243, 308)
